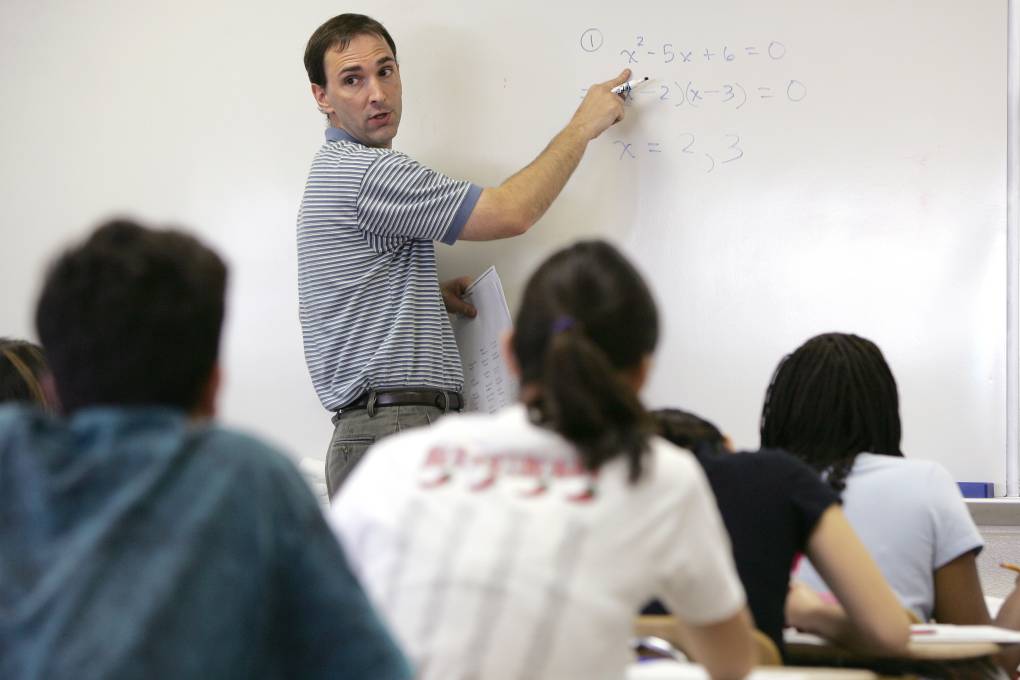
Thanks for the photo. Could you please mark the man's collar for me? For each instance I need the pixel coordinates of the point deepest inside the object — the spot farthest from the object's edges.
(334, 134)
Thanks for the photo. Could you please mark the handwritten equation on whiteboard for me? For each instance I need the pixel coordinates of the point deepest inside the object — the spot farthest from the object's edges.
(682, 87)
(718, 153)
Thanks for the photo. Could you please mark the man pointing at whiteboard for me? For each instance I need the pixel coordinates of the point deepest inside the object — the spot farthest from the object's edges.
(378, 342)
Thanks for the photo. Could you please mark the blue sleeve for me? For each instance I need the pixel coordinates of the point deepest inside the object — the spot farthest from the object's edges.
(954, 530)
(331, 628)
(401, 198)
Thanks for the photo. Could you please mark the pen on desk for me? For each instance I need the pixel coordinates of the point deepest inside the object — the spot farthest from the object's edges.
(628, 86)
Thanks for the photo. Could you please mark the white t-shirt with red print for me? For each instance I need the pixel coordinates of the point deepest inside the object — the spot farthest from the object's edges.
(493, 554)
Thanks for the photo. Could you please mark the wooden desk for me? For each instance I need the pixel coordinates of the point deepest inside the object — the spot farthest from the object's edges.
(802, 649)
(925, 659)
(671, 670)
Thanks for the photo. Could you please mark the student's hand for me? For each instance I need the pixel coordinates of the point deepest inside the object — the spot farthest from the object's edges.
(805, 606)
(1009, 617)
(453, 290)
(601, 107)
(1009, 612)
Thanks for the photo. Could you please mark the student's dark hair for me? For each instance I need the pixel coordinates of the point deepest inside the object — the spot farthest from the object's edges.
(587, 315)
(22, 369)
(833, 398)
(337, 34)
(689, 431)
(132, 316)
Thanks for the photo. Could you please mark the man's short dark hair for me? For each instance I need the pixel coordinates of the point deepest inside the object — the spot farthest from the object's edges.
(337, 34)
(132, 316)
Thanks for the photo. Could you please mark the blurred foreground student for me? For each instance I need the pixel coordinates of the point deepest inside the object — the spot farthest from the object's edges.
(774, 508)
(833, 403)
(24, 375)
(138, 539)
(521, 544)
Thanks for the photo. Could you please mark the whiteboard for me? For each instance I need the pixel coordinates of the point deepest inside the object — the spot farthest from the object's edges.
(796, 167)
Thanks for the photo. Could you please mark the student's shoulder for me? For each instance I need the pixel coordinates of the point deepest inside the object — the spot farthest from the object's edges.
(776, 463)
(905, 479)
(227, 449)
(20, 421)
(670, 464)
(15, 415)
(917, 470)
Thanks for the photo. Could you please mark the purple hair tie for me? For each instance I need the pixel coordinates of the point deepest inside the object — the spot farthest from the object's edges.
(563, 323)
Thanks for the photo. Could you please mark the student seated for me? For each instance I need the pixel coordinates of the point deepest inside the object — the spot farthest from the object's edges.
(24, 375)
(139, 539)
(775, 508)
(833, 403)
(521, 544)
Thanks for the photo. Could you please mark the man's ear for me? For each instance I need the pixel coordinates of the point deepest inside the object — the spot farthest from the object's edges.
(206, 406)
(506, 345)
(319, 92)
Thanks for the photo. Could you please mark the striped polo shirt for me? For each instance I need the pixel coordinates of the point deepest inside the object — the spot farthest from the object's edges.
(372, 313)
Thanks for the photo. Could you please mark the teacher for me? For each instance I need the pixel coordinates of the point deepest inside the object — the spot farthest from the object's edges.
(377, 339)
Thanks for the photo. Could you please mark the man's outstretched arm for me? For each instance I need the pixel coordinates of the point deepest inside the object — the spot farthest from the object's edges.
(515, 205)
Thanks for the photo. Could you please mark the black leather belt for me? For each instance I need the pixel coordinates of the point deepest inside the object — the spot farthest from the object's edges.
(447, 401)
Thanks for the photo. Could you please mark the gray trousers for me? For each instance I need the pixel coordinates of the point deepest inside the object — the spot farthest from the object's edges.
(355, 430)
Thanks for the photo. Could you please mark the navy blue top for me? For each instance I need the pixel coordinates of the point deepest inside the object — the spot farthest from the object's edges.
(770, 503)
(136, 544)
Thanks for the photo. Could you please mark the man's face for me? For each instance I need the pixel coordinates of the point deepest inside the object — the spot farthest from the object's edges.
(362, 93)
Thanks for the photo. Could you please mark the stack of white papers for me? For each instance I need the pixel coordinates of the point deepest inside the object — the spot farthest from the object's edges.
(488, 385)
(921, 633)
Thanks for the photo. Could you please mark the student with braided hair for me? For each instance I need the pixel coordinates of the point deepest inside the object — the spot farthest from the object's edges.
(522, 544)
(833, 403)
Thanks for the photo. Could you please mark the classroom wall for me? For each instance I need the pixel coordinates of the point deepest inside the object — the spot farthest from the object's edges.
(185, 113)
(865, 193)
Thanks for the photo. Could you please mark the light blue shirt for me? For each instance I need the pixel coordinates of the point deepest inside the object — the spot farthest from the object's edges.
(911, 517)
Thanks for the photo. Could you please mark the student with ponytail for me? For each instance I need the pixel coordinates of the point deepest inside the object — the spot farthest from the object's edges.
(833, 403)
(522, 544)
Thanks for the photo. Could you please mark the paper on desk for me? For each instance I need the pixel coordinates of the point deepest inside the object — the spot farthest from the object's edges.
(488, 385)
(921, 633)
(671, 670)
(926, 633)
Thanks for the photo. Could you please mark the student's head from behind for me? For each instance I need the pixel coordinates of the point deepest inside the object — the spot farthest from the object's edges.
(833, 398)
(24, 375)
(351, 62)
(690, 431)
(585, 332)
(132, 317)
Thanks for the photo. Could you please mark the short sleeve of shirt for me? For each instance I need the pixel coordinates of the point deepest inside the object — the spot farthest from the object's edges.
(701, 583)
(809, 495)
(955, 532)
(401, 198)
